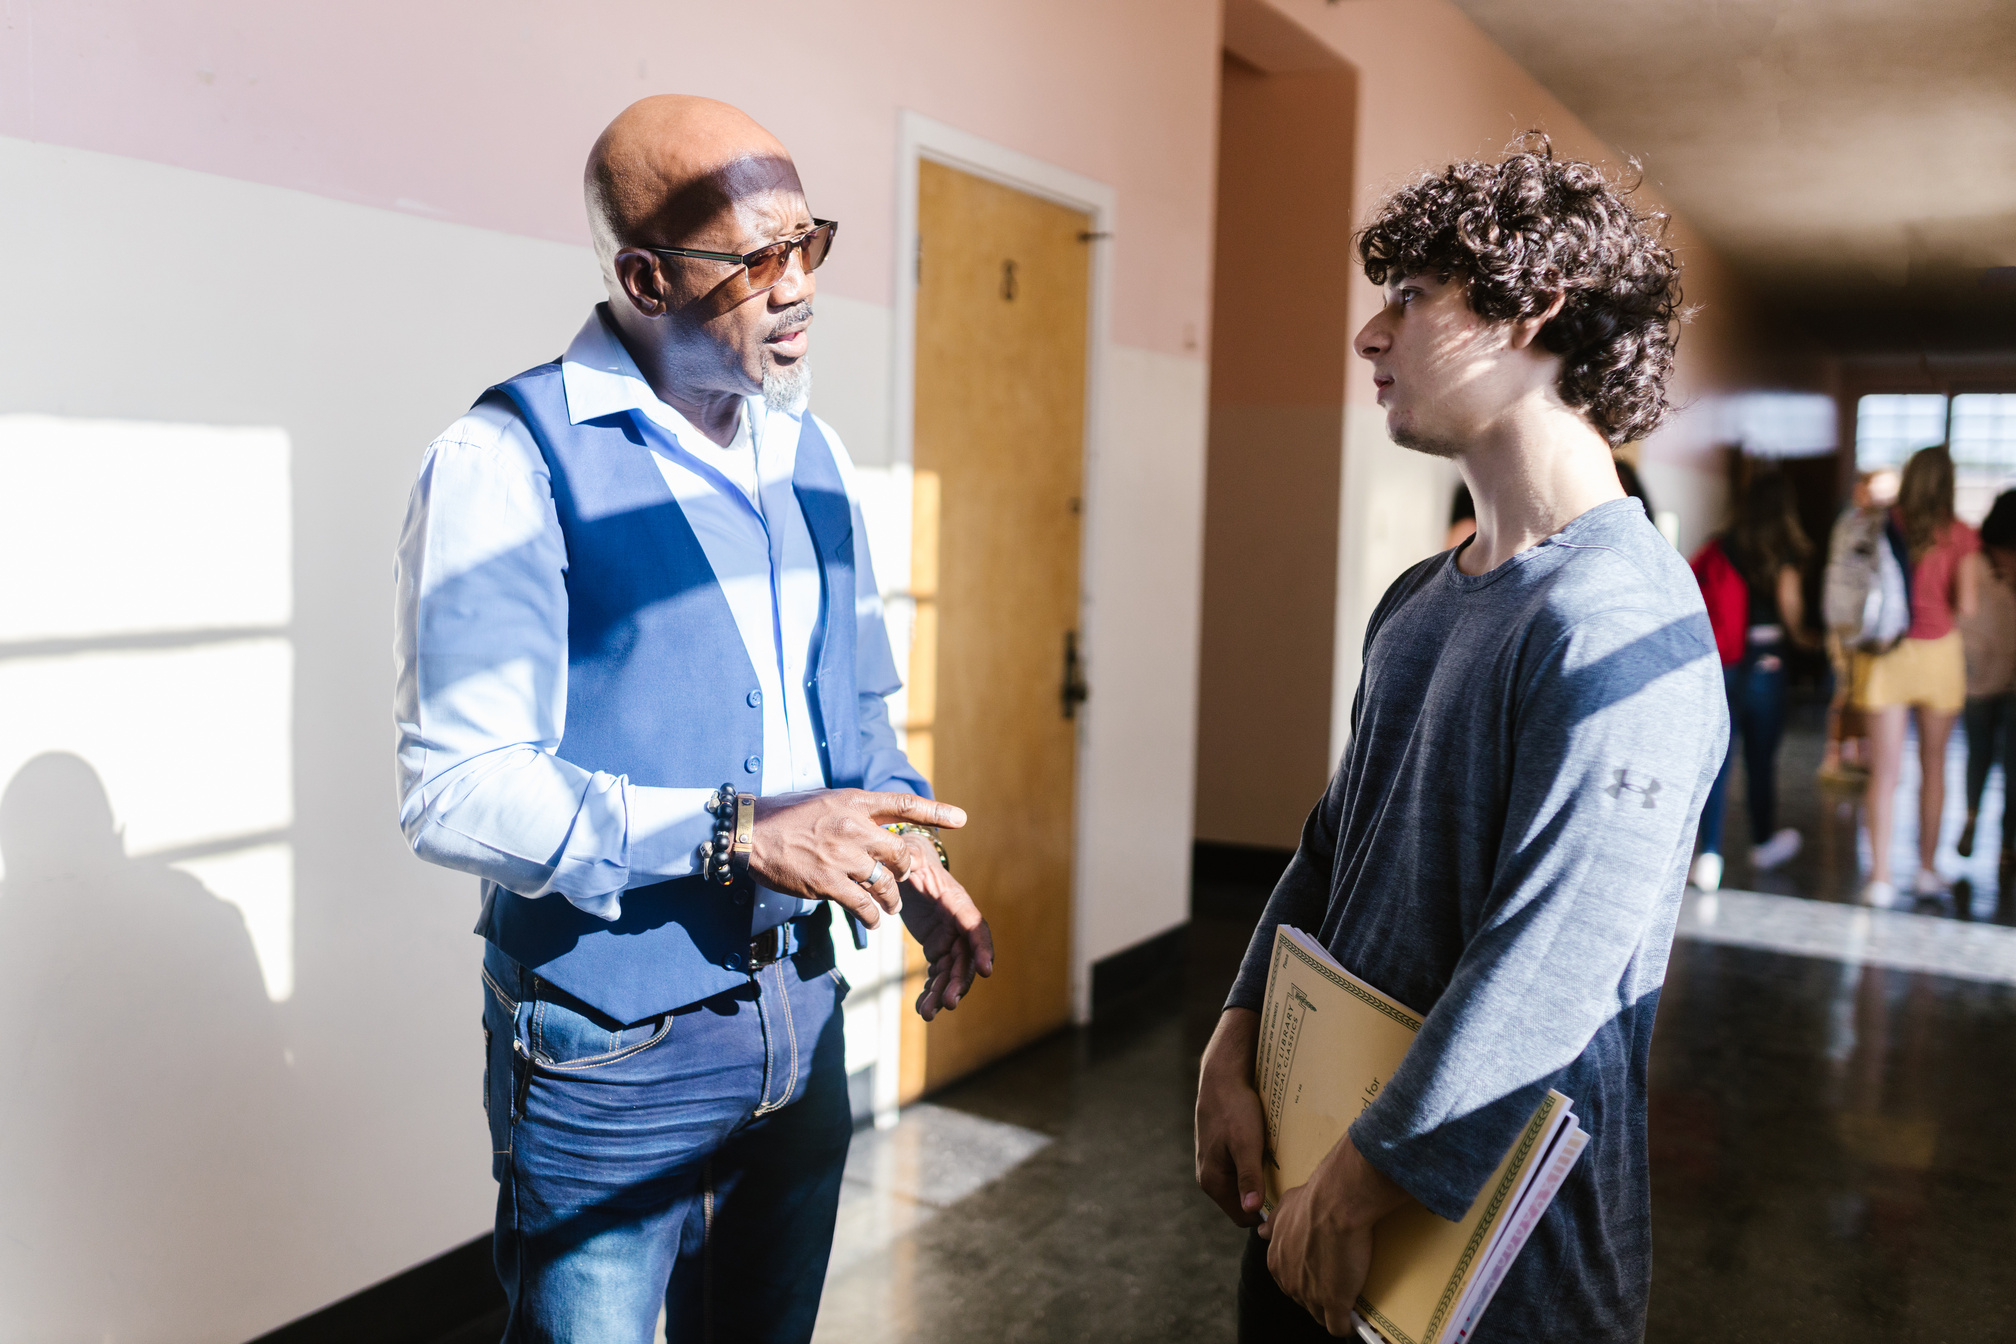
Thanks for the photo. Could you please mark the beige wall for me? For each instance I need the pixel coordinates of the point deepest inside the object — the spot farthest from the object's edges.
(1278, 346)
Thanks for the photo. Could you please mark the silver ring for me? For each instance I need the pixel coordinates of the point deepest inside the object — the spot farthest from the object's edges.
(875, 875)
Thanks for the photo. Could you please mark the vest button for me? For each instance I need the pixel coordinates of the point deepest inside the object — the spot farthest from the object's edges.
(755, 698)
(753, 764)
(734, 962)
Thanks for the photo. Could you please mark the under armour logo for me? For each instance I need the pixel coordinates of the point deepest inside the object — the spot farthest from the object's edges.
(1624, 786)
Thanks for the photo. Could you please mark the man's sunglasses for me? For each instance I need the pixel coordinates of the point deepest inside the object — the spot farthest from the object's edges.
(766, 265)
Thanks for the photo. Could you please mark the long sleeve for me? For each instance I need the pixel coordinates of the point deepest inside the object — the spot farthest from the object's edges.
(1609, 745)
(480, 655)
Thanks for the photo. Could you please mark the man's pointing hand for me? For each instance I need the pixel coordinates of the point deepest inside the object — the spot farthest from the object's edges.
(829, 845)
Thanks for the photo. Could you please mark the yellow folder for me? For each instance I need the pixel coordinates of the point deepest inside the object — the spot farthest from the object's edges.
(1329, 1043)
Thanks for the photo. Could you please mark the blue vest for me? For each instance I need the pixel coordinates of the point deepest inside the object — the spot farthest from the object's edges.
(660, 688)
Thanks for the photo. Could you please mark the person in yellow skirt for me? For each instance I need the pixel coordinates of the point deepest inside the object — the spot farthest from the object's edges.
(1925, 672)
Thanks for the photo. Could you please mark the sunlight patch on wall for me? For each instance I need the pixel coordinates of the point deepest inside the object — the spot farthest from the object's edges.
(148, 569)
(124, 527)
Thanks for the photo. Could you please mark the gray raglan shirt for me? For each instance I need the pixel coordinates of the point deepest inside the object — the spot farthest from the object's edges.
(1503, 849)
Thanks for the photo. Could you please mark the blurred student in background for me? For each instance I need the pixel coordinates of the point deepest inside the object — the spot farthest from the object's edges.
(1989, 638)
(1845, 761)
(1749, 577)
(1926, 671)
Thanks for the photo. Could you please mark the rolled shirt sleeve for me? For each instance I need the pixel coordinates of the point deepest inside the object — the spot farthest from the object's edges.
(480, 660)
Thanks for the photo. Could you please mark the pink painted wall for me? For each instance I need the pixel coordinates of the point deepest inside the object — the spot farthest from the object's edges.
(481, 112)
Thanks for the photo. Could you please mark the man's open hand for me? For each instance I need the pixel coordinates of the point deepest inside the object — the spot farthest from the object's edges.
(1230, 1131)
(1319, 1241)
(943, 919)
(825, 844)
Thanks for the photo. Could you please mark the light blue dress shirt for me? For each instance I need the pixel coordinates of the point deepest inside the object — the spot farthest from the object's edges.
(481, 786)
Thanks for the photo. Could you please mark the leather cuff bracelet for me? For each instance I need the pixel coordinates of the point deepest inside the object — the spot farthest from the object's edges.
(725, 857)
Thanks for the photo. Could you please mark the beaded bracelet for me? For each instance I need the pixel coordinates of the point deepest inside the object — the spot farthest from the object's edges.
(928, 832)
(725, 857)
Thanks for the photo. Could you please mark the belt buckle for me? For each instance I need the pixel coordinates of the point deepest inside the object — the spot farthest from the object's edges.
(766, 948)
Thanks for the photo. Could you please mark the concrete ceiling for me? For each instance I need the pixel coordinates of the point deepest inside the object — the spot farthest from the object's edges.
(1855, 159)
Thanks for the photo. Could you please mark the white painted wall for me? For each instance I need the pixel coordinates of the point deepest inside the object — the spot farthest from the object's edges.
(1143, 574)
(147, 306)
(223, 390)
(215, 432)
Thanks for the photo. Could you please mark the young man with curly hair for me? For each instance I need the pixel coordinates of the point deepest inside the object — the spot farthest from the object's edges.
(1541, 713)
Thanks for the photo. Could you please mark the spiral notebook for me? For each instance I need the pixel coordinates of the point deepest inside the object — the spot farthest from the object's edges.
(1329, 1043)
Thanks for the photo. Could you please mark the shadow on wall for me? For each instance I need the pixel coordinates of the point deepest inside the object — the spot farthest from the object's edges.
(147, 1090)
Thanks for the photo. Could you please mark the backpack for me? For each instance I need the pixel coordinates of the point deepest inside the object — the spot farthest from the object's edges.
(1866, 599)
(1727, 598)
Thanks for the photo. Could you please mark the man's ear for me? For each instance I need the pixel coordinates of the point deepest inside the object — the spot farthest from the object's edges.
(641, 280)
(1526, 330)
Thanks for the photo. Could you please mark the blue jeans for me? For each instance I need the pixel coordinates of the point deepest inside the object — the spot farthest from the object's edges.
(692, 1159)
(1757, 717)
(1990, 721)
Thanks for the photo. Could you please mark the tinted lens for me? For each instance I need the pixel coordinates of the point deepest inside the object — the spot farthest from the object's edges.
(767, 265)
(818, 243)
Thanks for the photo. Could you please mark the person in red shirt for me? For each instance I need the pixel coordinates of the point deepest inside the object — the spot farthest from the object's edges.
(1926, 671)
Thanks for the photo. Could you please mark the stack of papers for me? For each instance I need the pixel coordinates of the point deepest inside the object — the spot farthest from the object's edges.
(1329, 1043)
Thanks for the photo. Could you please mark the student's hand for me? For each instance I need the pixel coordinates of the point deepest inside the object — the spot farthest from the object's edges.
(943, 919)
(1230, 1130)
(1319, 1241)
(822, 844)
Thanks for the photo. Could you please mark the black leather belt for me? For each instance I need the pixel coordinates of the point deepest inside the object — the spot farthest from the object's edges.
(766, 949)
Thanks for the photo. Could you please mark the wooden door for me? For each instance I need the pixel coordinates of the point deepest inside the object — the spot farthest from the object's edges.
(1003, 280)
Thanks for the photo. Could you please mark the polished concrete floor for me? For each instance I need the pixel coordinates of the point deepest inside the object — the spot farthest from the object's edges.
(1831, 1152)
(1095, 1232)
(1831, 1126)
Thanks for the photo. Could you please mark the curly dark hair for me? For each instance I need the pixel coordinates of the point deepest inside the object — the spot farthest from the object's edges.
(1530, 227)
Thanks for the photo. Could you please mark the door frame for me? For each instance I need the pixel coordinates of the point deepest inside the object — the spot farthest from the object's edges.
(919, 138)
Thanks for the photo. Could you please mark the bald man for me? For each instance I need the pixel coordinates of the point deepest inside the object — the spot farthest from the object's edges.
(625, 577)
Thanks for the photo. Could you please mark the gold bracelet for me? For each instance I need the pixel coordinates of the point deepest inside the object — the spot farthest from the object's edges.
(928, 832)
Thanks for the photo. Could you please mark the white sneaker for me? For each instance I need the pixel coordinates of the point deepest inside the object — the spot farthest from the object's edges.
(1928, 884)
(1881, 895)
(1776, 850)
(1706, 874)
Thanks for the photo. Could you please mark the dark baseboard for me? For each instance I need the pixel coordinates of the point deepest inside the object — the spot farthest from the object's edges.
(452, 1299)
(1218, 861)
(1125, 974)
